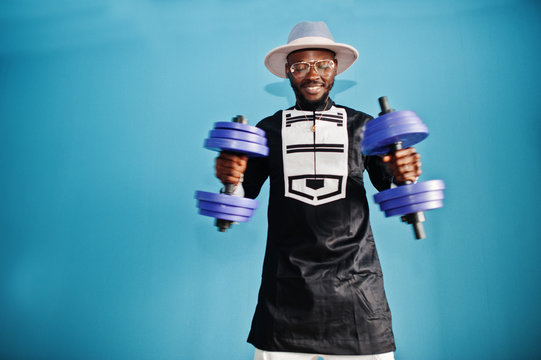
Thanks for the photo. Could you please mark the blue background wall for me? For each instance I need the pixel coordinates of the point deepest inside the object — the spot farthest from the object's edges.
(103, 109)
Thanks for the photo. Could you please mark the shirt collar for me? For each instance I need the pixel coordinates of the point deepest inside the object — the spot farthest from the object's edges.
(325, 105)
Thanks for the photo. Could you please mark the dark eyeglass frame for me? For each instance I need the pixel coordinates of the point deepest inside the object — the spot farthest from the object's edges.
(302, 73)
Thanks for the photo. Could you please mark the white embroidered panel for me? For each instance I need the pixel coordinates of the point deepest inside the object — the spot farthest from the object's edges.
(315, 162)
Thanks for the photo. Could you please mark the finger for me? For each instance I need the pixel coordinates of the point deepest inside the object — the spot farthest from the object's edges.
(228, 165)
(228, 171)
(237, 158)
(229, 180)
(241, 160)
(404, 168)
(227, 162)
(408, 159)
(410, 176)
(409, 170)
(405, 152)
(225, 177)
(409, 167)
(409, 152)
(402, 156)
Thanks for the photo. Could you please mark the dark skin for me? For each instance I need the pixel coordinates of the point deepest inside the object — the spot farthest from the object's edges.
(310, 91)
(313, 89)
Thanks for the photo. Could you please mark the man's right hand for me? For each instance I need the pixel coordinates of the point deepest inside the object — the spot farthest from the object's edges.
(230, 167)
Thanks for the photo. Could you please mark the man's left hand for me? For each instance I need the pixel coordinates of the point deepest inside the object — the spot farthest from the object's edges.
(405, 164)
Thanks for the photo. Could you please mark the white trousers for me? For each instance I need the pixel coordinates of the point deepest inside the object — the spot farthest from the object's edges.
(278, 355)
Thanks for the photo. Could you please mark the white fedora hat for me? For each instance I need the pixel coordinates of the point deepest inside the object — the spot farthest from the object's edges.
(310, 35)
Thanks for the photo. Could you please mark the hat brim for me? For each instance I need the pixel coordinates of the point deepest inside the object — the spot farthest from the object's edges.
(277, 58)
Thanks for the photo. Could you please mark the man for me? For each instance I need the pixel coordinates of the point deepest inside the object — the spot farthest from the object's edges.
(322, 287)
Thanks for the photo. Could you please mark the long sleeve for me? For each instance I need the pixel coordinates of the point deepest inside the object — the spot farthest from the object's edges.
(380, 175)
(256, 173)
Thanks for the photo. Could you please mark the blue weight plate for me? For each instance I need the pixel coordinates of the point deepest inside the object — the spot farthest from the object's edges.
(379, 142)
(410, 189)
(393, 118)
(397, 114)
(225, 209)
(238, 135)
(410, 209)
(411, 199)
(238, 126)
(227, 199)
(369, 131)
(386, 120)
(223, 216)
(244, 147)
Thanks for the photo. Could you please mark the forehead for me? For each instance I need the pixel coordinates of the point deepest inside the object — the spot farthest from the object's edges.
(310, 55)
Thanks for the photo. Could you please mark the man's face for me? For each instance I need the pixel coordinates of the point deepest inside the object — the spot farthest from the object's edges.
(314, 86)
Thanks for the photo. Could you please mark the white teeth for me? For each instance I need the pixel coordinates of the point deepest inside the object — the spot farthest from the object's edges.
(313, 89)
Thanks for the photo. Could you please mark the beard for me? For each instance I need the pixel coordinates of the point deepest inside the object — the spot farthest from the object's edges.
(311, 104)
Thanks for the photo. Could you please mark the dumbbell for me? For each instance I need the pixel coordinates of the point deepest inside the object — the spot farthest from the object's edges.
(236, 137)
(392, 131)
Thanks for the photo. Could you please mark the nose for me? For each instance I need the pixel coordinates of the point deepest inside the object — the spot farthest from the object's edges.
(312, 73)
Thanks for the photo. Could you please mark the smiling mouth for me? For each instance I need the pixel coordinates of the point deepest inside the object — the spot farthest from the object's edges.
(313, 88)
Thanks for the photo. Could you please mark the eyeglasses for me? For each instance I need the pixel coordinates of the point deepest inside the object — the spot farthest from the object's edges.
(322, 67)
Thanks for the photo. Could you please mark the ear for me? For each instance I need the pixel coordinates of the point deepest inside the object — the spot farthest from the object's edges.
(287, 69)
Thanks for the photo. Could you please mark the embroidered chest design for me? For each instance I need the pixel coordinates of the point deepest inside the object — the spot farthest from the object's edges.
(315, 152)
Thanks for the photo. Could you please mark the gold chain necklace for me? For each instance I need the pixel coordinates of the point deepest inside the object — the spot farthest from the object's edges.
(314, 130)
(320, 115)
